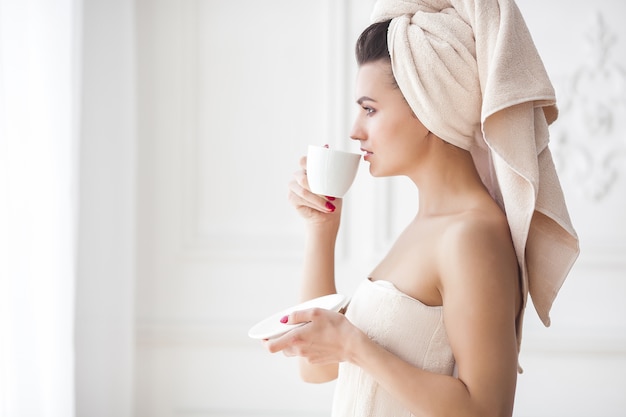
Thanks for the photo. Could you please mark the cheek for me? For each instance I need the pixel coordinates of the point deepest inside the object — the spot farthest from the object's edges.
(405, 139)
(407, 147)
(399, 143)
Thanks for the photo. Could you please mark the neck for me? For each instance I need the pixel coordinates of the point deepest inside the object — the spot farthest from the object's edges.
(448, 182)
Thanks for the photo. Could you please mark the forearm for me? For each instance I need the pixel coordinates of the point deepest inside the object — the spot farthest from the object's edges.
(318, 279)
(318, 273)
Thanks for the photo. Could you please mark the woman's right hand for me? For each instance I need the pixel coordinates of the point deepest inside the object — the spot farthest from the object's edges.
(314, 208)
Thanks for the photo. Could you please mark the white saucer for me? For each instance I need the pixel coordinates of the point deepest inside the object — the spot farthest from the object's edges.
(271, 327)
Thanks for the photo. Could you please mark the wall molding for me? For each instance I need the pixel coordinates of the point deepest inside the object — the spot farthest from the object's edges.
(187, 333)
(211, 412)
(602, 257)
(576, 341)
(198, 334)
(218, 241)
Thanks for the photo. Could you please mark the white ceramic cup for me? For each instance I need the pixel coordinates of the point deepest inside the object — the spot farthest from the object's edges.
(330, 172)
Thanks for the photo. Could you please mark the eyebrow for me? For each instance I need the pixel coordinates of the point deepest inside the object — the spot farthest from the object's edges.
(364, 98)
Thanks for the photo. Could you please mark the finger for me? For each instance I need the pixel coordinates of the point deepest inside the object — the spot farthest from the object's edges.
(286, 341)
(303, 163)
(274, 345)
(304, 316)
(301, 196)
(301, 178)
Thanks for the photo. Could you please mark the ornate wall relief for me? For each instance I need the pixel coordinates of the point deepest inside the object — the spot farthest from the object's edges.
(589, 140)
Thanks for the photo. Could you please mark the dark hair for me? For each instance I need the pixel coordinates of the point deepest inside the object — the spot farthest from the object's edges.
(372, 44)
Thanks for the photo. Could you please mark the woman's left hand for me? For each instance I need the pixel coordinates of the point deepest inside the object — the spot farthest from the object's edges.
(324, 339)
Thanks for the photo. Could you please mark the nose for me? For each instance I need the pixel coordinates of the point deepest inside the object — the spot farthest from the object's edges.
(357, 132)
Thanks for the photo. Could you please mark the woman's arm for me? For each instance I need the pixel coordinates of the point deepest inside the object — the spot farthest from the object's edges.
(322, 218)
(318, 279)
(481, 299)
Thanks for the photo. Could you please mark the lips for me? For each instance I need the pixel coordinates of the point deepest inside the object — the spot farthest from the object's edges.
(366, 152)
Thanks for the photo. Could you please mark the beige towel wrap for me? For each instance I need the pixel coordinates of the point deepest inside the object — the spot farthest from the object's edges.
(471, 73)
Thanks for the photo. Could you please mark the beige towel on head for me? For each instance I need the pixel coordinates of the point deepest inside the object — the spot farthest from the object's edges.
(471, 73)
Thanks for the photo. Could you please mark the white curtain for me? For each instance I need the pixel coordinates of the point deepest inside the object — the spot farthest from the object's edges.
(39, 83)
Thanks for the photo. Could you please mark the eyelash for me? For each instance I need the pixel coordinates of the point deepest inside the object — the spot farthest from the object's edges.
(368, 110)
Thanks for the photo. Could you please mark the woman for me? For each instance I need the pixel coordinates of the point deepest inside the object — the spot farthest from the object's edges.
(435, 329)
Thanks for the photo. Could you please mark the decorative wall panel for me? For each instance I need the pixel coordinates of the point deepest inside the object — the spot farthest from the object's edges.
(231, 93)
(590, 143)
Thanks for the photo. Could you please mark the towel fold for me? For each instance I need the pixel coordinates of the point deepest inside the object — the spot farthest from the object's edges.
(471, 73)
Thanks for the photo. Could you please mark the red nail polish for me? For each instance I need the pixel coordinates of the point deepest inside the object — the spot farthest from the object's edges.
(284, 320)
(330, 198)
(330, 206)
(326, 146)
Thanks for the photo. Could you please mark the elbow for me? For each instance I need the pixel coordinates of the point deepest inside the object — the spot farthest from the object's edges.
(317, 374)
(314, 378)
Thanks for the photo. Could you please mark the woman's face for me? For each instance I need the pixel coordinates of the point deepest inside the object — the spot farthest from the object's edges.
(392, 138)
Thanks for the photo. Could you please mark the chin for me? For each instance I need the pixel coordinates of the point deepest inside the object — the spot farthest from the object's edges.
(376, 173)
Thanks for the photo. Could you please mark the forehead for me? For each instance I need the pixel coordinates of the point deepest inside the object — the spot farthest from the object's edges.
(374, 77)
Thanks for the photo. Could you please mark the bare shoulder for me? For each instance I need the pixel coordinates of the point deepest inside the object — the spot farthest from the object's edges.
(476, 253)
(482, 233)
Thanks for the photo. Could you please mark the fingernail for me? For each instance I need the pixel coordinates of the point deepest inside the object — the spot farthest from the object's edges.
(330, 198)
(284, 320)
(330, 206)
(327, 146)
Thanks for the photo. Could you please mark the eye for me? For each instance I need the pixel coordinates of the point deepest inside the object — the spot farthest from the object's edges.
(368, 110)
